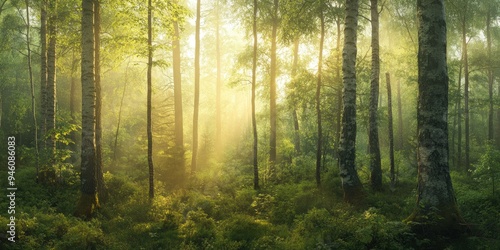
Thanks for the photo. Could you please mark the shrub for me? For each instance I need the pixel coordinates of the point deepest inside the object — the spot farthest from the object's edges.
(244, 230)
(198, 228)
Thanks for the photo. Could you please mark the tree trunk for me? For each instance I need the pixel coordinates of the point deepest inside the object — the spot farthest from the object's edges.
(51, 76)
(149, 95)
(89, 199)
(466, 96)
(353, 189)
(32, 86)
(218, 109)
(176, 66)
(498, 117)
(391, 130)
(339, 92)
(196, 89)
(254, 120)
(1, 111)
(272, 86)
(453, 156)
(400, 119)
(318, 101)
(101, 189)
(436, 198)
(373, 141)
(490, 76)
(115, 147)
(43, 69)
(295, 117)
(72, 107)
(459, 119)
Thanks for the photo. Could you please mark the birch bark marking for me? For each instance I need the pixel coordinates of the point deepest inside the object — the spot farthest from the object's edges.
(353, 189)
(435, 195)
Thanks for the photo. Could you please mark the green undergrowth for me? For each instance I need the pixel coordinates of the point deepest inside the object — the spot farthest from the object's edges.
(216, 211)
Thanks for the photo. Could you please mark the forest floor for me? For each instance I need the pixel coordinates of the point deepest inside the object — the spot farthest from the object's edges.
(219, 210)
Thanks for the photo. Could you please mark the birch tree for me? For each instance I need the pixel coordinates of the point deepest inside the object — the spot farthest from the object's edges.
(353, 189)
(435, 195)
(88, 200)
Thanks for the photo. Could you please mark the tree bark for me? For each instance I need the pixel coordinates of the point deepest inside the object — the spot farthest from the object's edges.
(391, 130)
(254, 120)
(339, 92)
(466, 94)
(51, 76)
(490, 76)
(459, 119)
(436, 198)
(43, 69)
(318, 101)
(498, 117)
(72, 106)
(296, 128)
(196, 89)
(32, 86)
(373, 141)
(176, 66)
(272, 86)
(101, 189)
(453, 156)
(115, 147)
(218, 88)
(353, 189)
(89, 199)
(400, 119)
(149, 107)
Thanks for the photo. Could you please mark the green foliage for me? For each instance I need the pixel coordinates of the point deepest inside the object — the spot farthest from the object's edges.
(244, 229)
(49, 230)
(338, 229)
(198, 228)
(488, 167)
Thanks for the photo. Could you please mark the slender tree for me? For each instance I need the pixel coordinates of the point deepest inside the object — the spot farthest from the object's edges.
(150, 93)
(72, 103)
(400, 118)
(118, 123)
(176, 67)
(435, 193)
(373, 141)
(98, 105)
(32, 86)
(51, 75)
(43, 68)
(196, 89)
(218, 88)
(338, 125)
(353, 189)
(254, 120)
(89, 199)
(318, 95)
(490, 73)
(497, 135)
(272, 86)
(295, 116)
(391, 131)
(466, 92)
(459, 118)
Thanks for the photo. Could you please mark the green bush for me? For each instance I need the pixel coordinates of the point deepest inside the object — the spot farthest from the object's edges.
(244, 229)
(198, 228)
(84, 235)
